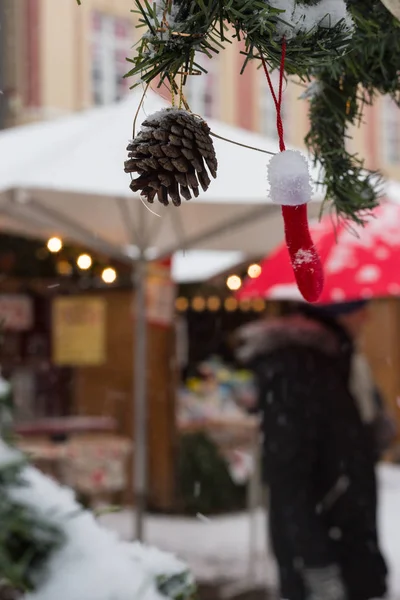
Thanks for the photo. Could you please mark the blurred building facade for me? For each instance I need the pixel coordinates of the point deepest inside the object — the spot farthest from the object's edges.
(59, 57)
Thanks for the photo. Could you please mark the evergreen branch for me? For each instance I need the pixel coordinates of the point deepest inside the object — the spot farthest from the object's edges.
(172, 40)
(258, 22)
(177, 587)
(345, 86)
(332, 109)
(177, 29)
(26, 541)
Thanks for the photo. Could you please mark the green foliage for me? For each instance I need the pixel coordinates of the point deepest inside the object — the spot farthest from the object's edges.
(165, 48)
(206, 486)
(176, 31)
(256, 22)
(177, 587)
(346, 85)
(6, 410)
(26, 541)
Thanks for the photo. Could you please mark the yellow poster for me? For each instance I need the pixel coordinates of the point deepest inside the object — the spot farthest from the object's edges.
(79, 331)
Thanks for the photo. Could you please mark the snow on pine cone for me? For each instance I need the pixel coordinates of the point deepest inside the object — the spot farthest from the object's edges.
(170, 154)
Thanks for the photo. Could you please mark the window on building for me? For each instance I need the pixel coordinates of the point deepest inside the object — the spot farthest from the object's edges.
(268, 110)
(201, 91)
(111, 44)
(390, 118)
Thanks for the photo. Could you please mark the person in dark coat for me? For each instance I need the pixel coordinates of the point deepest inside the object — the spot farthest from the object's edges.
(318, 459)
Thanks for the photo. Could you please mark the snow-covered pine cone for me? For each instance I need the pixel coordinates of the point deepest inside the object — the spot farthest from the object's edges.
(170, 154)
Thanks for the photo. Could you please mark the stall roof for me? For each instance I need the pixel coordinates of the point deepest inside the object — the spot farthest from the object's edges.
(200, 265)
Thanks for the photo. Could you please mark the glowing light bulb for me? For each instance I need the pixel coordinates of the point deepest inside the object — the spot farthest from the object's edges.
(245, 305)
(254, 271)
(54, 244)
(64, 268)
(84, 261)
(234, 282)
(198, 304)
(181, 304)
(231, 304)
(258, 305)
(213, 303)
(109, 275)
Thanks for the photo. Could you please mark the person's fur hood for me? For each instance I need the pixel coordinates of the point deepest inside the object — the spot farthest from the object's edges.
(263, 337)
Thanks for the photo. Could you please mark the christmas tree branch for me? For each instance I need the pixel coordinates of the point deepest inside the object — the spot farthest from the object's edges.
(258, 23)
(175, 32)
(178, 29)
(334, 107)
(26, 541)
(344, 87)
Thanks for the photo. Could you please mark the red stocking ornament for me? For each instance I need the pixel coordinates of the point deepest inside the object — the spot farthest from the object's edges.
(289, 180)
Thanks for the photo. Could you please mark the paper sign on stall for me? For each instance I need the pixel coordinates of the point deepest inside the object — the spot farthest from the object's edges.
(79, 331)
(160, 301)
(16, 312)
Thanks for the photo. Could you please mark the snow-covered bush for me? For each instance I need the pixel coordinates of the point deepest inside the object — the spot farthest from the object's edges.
(51, 548)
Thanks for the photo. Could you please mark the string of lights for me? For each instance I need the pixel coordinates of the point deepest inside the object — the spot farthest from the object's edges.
(197, 303)
(84, 262)
(213, 303)
(234, 282)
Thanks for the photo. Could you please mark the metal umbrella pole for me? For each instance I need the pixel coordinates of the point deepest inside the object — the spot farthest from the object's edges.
(140, 395)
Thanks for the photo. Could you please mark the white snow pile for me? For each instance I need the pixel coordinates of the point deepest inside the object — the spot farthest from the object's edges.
(5, 387)
(156, 118)
(301, 18)
(314, 89)
(289, 178)
(234, 547)
(8, 455)
(159, 115)
(165, 15)
(93, 564)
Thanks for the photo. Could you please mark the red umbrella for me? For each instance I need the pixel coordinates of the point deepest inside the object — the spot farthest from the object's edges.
(359, 262)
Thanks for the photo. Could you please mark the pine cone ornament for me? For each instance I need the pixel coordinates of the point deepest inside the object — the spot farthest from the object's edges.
(170, 154)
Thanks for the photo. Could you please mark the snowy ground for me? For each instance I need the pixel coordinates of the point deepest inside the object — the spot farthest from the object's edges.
(390, 523)
(219, 548)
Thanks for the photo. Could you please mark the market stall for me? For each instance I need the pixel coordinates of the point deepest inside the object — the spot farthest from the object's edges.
(94, 466)
(218, 437)
(219, 462)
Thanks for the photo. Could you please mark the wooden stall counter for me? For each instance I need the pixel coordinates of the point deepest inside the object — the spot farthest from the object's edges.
(73, 425)
(95, 466)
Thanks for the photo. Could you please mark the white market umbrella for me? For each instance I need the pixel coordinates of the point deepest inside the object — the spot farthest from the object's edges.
(199, 265)
(66, 177)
